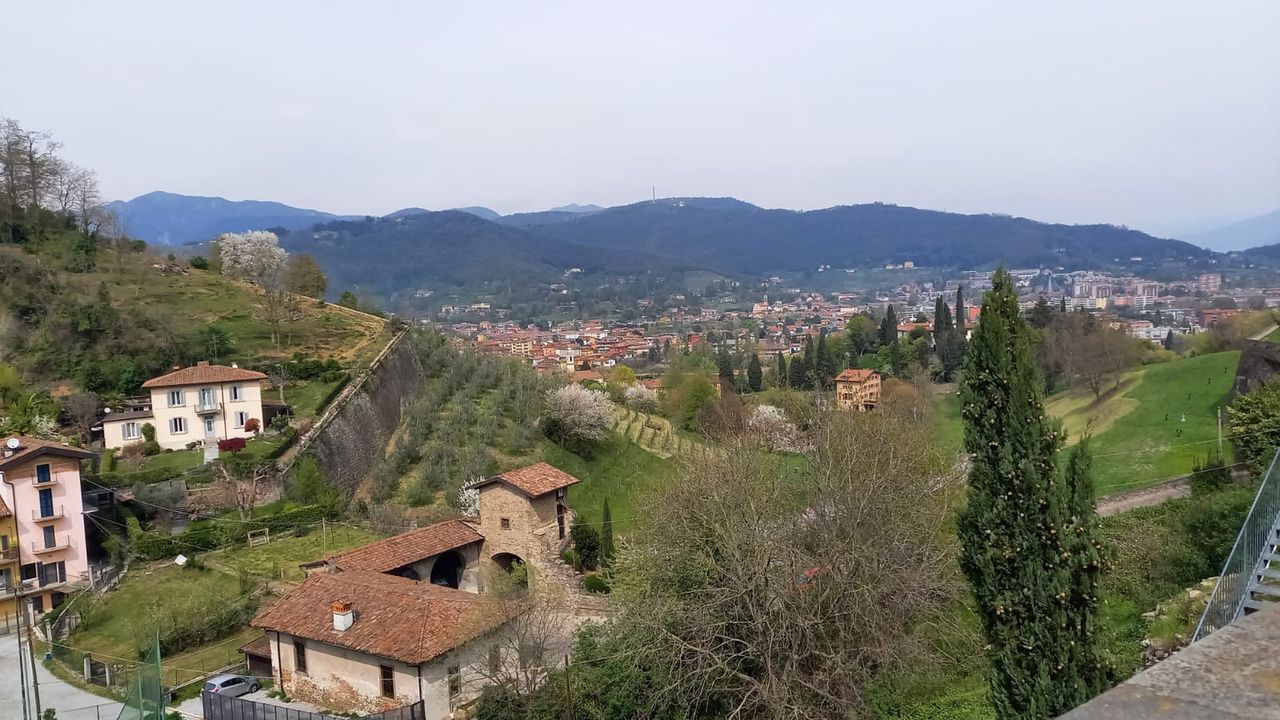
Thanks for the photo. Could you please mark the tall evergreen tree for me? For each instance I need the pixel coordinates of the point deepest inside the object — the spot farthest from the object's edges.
(1030, 543)
(961, 316)
(824, 364)
(889, 326)
(782, 372)
(1062, 304)
(606, 535)
(1041, 315)
(798, 373)
(938, 324)
(724, 366)
(755, 374)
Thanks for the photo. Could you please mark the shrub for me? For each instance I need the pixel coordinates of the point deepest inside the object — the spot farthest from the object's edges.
(586, 540)
(576, 416)
(570, 557)
(641, 398)
(1209, 475)
(231, 445)
(252, 425)
(199, 262)
(498, 702)
(596, 584)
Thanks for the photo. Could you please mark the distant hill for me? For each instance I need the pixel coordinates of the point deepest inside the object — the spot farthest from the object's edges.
(164, 218)
(480, 212)
(448, 249)
(1248, 233)
(734, 236)
(576, 208)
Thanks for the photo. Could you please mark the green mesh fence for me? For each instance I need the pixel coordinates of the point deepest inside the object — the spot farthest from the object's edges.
(146, 691)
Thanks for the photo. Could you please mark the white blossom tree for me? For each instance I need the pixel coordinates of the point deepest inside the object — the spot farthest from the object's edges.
(641, 398)
(771, 427)
(257, 257)
(575, 415)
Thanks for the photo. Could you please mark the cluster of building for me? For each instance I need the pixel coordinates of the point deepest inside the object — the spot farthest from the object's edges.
(566, 347)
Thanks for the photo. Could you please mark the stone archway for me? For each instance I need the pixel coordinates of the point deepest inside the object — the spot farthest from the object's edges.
(507, 561)
(447, 569)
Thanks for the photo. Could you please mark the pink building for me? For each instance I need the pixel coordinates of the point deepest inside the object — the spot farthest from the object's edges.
(40, 482)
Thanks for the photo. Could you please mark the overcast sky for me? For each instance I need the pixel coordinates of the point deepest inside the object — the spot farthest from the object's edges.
(1160, 114)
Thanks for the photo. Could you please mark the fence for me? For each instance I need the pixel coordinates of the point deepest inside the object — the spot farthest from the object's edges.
(221, 707)
(1247, 555)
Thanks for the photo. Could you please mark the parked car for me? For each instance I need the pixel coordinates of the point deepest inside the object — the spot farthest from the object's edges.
(232, 685)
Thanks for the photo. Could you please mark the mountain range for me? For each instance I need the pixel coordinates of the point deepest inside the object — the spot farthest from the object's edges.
(415, 247)
(1251, 232)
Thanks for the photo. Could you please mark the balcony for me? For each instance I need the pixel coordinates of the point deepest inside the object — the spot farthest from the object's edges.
(208, 408)
(8, 556)
(39, 515)
(51, 482)
(60, 543)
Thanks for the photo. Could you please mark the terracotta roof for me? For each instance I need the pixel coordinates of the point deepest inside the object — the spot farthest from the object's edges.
(534, 480)
(855, 375)
(395, 617)
(258, 647)
(29, 447)
(202, 373)
(407, 548)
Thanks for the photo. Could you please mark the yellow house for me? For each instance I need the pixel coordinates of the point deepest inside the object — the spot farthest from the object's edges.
(8, 568)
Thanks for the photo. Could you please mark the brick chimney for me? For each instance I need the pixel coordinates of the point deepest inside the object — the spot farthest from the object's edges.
(343, 618)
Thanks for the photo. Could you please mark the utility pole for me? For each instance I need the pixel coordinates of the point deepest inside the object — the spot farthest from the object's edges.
(324, 537)
(35, 680)
(568, 691)
(22, 667)
(1221, 457)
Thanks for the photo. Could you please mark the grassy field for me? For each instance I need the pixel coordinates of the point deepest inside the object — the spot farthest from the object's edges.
(620, 471)
(280, 559)
(1274, 336)
(1163, 418)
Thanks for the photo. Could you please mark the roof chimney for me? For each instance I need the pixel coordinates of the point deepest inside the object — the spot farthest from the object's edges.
(235, 365)
(342, 615)
(203, 363)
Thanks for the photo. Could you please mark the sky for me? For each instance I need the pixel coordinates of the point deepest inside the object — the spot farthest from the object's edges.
(1162, 115)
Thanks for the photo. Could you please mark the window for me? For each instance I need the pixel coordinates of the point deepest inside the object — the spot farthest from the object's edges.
(388, 681)
(177, 426)
(52, 573)
(506, 523)
(46, 502)
(29, 571)
(455, 681)
(50, 538)
(299, 657)
(132, 431)
(206, 397)
(44, 474)
(4, 542)
(176, 399)
(241, 418)
(236, 394)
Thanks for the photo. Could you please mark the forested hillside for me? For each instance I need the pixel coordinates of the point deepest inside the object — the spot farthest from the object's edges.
(734, 236)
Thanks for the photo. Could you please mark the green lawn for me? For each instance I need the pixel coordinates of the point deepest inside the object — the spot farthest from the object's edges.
(619, 471)
(1274, 336)
(304, 397)
(946, 417)
(280, 559)
(1140, 436)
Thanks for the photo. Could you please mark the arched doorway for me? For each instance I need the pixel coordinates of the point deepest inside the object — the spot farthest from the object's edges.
(507, 561)
(447, 570)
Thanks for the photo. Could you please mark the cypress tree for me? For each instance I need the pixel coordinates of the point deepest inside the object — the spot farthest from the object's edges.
(755, 374)
(606, 535)
(1062, 305)
(961, 316)
(824, 364)
(782, 371)
(1029, 536)
(889, 326)
(938, 325)
(798, 373)
(724, 366)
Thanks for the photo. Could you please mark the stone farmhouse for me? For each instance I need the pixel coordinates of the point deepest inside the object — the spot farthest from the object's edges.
(406, 619)
(197, 405)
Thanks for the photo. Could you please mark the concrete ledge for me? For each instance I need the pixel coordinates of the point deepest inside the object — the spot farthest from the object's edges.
(1233, 673)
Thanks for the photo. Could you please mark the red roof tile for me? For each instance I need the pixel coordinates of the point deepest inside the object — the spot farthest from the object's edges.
(395, 617)
(855, 375)
(534, 480)
(29, 447)
(407, 548)
(202, 373)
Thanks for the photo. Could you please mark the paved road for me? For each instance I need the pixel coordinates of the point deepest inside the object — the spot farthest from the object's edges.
(71, 702)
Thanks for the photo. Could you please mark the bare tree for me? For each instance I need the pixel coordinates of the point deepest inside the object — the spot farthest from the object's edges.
(240, 485)
(83, 409)
(789, 592)
(524, 649)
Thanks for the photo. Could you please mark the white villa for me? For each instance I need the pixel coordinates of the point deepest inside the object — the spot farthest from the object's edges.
(202, 404)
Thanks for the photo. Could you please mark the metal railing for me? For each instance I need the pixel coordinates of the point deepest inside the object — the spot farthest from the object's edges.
(58, 544)
(1244, 563)
(39, 514)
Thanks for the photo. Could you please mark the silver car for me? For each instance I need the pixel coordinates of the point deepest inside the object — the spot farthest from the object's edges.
(232, 685)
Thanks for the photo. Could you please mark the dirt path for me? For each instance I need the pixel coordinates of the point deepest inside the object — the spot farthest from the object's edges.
(1264, 333)
(1144, 497)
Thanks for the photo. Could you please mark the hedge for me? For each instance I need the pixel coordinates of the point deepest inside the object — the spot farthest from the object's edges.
(138, 477)
(205, 535)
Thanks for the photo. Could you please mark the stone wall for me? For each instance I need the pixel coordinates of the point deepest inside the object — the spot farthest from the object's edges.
(352, 441)
(1259, 362)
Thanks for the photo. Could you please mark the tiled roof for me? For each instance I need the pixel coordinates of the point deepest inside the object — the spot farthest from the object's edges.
(29, 447)
(4, 509)
(855, 375)
(259, 646)
(395, 617)
(534, 480)
(202, 373)
(407, 548)
(127, 415)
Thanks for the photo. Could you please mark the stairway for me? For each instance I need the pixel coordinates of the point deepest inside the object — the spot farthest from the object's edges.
(1264, 584)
